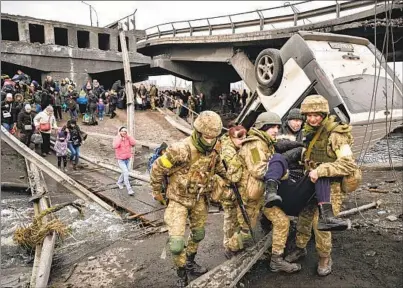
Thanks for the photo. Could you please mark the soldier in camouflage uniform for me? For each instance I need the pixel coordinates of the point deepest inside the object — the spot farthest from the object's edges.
(256, 152)
(230, 144)
(153, 95)
(331, 159)
(189, 166)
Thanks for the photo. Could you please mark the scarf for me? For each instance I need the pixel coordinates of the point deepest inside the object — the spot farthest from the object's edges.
(201, 145)
(309, 131)
(262, 135)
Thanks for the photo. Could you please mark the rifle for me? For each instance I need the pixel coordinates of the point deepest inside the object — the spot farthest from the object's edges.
(240, 203)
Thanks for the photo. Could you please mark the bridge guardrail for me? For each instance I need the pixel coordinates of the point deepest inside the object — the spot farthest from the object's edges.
(295, 15)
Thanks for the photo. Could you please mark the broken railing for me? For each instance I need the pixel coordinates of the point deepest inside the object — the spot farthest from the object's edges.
(288, 15)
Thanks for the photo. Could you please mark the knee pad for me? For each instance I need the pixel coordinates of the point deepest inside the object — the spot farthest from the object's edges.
(198, 234)
(176, 244)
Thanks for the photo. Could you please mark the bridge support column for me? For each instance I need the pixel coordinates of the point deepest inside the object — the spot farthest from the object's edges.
(211, 90)
(23, 31)
(93, 40)
(113, 38)
(72, 37)
(245, 68)
(49, 34)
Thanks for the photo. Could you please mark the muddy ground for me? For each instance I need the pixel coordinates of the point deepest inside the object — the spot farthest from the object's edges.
(105, 251)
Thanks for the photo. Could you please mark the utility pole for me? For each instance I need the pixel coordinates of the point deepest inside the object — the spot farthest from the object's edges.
(128, 87)
(91, 15)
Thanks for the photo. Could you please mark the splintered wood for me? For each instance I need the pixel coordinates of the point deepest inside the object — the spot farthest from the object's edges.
(231, 271)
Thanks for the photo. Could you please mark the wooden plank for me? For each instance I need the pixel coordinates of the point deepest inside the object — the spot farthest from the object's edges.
(43, 263)
(178, 126)
(231, 271)
(140, 203)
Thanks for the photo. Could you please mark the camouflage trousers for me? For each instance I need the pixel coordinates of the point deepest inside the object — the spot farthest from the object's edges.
(252, 208)
(175, 218)
(152, 102)
(308, 219)
(231, 226)
(281, 226)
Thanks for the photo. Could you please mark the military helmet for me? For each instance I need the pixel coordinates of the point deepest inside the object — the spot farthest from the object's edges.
(267, 118)
(315, 104)
(209, 124)
(295, 113)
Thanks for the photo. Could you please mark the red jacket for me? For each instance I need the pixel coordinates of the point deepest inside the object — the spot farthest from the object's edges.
(123, 147)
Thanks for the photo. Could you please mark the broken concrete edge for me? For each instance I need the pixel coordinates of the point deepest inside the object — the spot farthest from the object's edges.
(386, 166)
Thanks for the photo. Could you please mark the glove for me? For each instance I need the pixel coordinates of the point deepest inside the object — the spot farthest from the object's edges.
(160, 198)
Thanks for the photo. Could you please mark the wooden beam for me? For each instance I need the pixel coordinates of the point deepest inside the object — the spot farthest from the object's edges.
(49, 169)
(128, 88)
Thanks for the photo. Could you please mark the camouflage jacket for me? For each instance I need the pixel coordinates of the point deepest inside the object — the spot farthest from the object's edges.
(188, 171)
(230, 155)
(334, 145)
(222, 190)
(255, 152)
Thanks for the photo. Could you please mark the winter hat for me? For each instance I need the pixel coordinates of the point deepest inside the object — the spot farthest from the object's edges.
(122, 128)
(295, 113)
(28, 107)
(61, 135)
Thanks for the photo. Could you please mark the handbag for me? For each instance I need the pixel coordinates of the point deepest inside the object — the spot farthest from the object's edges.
(45, 126)
(36, 138)
(28, 127)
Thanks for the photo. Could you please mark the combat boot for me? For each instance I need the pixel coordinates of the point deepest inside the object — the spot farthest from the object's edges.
(271, 198)
(183, 278)
(192, 267)
(277, 263)
(296, 255)
(328, 222)
(325, 266)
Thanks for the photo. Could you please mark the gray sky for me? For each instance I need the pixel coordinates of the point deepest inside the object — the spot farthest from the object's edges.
(149, 13)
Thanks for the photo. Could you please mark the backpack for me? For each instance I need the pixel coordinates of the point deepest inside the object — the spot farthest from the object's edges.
(155, 155)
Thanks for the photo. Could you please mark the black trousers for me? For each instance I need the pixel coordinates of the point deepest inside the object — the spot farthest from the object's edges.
(26, 137)
(45, 146)
(58, 112)
(296, 195)
(59, 161)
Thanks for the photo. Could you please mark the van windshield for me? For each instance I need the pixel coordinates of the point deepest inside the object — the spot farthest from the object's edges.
(357, 92)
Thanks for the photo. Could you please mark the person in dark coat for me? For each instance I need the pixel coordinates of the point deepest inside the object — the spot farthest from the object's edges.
(25, 123)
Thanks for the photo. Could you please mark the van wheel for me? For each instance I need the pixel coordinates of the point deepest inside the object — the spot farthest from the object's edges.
(269, 68)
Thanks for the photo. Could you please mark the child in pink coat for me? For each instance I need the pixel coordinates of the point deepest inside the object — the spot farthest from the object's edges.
(123, 144)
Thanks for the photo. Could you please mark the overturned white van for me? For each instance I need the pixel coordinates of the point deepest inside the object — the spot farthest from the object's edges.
(349, 71)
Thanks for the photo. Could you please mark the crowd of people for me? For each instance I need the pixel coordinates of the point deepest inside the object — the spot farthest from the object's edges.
(303, 167)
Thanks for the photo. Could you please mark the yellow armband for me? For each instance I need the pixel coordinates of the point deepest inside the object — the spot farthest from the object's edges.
(165, 161)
